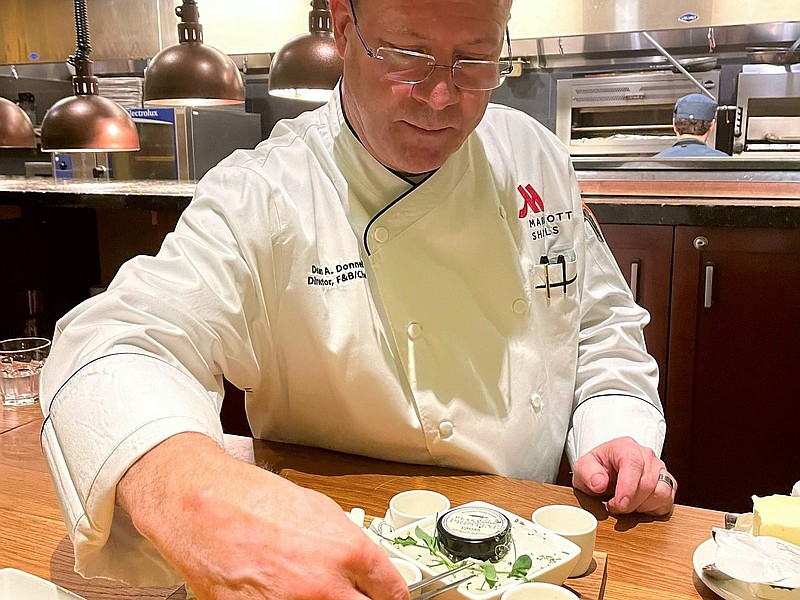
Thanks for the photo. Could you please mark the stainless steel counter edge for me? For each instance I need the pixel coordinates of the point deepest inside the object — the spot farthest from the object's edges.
(722, 210)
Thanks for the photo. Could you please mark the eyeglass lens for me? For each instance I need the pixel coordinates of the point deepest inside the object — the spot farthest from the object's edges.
(408, 67)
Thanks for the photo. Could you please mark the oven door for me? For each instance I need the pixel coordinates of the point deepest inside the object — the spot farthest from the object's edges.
(622, 115)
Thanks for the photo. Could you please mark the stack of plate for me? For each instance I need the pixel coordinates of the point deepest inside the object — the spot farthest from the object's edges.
(125, 91)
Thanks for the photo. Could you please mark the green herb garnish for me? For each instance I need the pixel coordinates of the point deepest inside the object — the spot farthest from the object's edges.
(521, 567)
(489, 573)
(519, 570)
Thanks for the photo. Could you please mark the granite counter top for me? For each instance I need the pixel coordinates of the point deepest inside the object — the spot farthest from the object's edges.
(147, 194)
(699, 199)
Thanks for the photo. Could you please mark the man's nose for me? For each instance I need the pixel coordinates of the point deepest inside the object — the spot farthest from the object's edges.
(438, 91)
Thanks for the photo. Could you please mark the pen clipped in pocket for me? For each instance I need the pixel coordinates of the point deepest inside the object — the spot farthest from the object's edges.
(555, 275)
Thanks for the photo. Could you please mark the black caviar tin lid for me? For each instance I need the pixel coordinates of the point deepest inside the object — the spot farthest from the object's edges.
(474, 532)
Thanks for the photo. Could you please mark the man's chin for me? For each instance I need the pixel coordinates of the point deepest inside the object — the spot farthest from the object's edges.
(422, 159)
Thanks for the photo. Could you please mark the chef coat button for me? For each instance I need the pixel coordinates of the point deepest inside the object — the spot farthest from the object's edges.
(520, 307)
(446, 429)
(503, 212)
(414, 330)
(536, 403)
(381, 234)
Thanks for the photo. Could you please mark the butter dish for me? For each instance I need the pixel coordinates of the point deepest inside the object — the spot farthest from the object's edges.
(19, 585)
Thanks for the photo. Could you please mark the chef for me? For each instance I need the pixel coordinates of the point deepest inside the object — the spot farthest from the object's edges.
(693, 121)
(405, 273)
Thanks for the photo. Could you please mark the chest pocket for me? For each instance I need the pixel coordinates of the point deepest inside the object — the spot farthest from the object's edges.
(554, 293)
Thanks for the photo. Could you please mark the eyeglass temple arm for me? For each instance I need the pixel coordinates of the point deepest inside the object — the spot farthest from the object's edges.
(508, 41)
(369, 51)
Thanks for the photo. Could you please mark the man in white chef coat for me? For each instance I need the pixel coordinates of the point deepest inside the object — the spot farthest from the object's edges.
(403, 273)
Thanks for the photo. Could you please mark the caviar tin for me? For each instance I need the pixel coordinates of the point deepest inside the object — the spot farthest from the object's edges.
(475, 532)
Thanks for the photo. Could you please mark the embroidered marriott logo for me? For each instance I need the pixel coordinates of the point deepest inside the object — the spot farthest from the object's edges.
(542, 224)
(532, 200)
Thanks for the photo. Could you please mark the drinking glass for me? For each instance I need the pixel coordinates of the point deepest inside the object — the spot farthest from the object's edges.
(21, 359)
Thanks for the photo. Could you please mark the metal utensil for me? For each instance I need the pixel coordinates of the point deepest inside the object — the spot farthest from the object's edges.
(711, 570)
(730, 520)
(434, 578)
(714, 573)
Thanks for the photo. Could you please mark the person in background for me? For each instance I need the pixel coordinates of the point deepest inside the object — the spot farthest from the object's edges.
(693, 120)
(405, 273)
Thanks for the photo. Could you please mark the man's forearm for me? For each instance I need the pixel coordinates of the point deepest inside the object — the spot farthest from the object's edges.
(163, 490)
(234, 530)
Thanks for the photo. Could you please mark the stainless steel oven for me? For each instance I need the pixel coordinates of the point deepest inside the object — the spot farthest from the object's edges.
(768, 123)
(623, 114)
(183, 143)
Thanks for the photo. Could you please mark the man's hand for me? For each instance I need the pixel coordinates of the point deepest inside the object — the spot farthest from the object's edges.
(237, 531)
(629, 470)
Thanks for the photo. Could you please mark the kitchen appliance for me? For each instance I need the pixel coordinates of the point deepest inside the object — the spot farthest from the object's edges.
(184, 142)
(623, 114)
(768, 123)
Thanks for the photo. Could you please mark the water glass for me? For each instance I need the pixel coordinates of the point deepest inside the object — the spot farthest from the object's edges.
(21, 359)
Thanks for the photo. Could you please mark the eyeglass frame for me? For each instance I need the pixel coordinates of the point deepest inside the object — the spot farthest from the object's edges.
(373, 54)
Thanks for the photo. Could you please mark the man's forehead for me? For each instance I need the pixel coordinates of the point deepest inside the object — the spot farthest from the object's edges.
(501, 3)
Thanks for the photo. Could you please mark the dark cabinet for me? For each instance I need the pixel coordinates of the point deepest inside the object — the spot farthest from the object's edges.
(644, 254)
(49, 258)
(733, 409)
(725, 330)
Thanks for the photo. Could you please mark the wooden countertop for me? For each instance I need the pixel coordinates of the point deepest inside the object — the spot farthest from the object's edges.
(647, 558)
(742, 193)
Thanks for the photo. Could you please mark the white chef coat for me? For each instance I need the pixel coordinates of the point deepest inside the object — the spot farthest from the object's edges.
(362, 312)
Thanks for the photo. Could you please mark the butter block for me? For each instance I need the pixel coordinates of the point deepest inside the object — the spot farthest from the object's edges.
(777, 516)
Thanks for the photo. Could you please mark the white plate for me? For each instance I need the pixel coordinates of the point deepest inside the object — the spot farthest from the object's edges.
(730, 589)
(19, 585)
(553, 555)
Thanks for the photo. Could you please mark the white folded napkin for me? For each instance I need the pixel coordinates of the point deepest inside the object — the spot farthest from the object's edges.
(757, 559)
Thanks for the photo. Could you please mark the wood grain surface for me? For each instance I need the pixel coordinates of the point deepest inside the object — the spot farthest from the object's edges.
(12, 417)
(763, 191)
(592, 585)
(646, 557)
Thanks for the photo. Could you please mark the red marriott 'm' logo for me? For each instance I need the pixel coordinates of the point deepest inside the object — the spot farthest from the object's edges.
(532, 200)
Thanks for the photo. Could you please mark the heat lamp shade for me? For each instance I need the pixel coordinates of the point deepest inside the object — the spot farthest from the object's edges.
(88, 123)
(194, 74)
(16, 129)
(307, 67)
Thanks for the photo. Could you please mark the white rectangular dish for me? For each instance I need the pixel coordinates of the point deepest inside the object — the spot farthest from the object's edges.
(552, 556)
(19, 585)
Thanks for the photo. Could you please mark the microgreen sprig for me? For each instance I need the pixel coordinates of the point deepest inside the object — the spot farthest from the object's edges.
(425, 541)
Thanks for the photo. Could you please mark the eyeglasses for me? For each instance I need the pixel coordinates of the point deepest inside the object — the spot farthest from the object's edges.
(407, 66)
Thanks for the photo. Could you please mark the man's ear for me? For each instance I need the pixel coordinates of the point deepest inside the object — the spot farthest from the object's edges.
(341, 17)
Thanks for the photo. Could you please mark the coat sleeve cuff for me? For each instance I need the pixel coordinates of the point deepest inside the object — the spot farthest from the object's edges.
(105, 417)
(602, 418)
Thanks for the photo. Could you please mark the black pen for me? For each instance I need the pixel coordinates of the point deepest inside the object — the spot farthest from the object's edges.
(563, 264)
(546, 262)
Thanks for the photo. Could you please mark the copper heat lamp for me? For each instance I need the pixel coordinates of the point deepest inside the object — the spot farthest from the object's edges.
(87, 122)
(308, 66)
(191, 73)
(16, 129)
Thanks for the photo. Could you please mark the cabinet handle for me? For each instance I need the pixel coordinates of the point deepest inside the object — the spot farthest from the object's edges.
(709, 286)
(635, 280)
